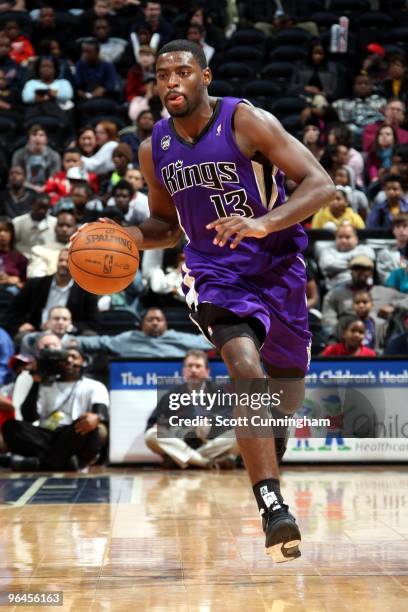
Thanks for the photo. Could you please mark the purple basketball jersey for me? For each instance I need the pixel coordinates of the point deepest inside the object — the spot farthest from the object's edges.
(263, 278)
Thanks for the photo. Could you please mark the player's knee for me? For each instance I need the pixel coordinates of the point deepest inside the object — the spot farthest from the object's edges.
(287, 394)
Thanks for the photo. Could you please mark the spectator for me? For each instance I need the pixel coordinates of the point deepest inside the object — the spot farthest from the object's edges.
(101, 8)
(312, 138)
(392, 258)
(394, 115)
(395, 83)
(111, 49)
(30, 307)
(156, 23)
(135, 134)
(52, 48)
(352, 338)
(191, 446)
(398, 345)
(379, 160)
(65, 422)
(59, 185)
(154, 340)
(107, 140)
(169, 282)
(47, 86)
(334, 261)
(16, 199)
(37, 158)
(374, 326)
(82, 203)
(95, 78)
(339, 301)
(344, 176)
(340, 135)
(380, 217)
(44, 258)
(12, 71)
(134, 211)
(6, 352)
(21, 48)
(316, 79)
(87, 141)
(59, 324)
(46, 29)
(398, 279)
(337, 211)
(196, 33)
(13, 265)
(363, 107)
(35, 227)
(10, 99)
(121, 157)
(139, 73)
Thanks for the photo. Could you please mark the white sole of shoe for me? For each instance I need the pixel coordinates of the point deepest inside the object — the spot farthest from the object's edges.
(282, 552)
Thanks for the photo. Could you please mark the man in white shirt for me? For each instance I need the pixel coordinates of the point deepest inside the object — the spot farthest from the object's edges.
(36, 227)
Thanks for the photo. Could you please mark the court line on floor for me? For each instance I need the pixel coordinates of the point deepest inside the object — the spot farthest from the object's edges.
(31, 491)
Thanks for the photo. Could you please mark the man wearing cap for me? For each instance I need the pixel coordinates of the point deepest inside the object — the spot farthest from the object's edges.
(65, 423)
(339, 301)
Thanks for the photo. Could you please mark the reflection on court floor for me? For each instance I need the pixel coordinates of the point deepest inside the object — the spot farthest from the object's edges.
(175, 541)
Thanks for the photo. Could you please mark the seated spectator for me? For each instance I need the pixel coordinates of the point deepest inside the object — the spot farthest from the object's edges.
(100, 8)
(46, 28)
(59, 185)
(316, 79)
(16, 199)
(107, 140)
(35, 227)
(352, 339)
(345, 177)
(111, 48)
(191, 446)
(6, 352)
(136, 133)
(44, 258)
(52, 48)
(392, 258)
(394, 115)
(156, 23)
(13, 265)
(363, 107)
(334, 261)
(134, 210)
(374, 326)
(94, 77)
(153, 340)
(135, 86)
(374, 63)
(21, 48)
(395, 83)
(398, 279)
(340, 135)
(214, 35)
(82, 203)
(196, 33)
(398, 344)
(30, 307)
(339, 301)
(337, 211)
(312, 138)
(47, 87)
(121, 157)
(87, 141)
(64, 424)
(382, 214)
(12, 71)
(379, 159)
(37, 158)
(10, 98)
(58, 323)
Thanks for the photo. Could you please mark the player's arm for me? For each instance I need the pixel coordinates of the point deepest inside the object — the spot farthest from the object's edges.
(257, 131)
(161, 230)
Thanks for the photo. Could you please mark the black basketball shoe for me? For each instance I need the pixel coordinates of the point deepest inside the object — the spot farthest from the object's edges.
(281, 531)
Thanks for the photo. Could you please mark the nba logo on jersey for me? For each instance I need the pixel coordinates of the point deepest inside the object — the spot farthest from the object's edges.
(218, 132)
(165, 142)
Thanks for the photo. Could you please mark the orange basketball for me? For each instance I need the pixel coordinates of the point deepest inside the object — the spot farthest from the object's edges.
(103, 258)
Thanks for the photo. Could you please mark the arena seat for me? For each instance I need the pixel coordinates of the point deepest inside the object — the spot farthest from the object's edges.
(288, 53)
(117, 321)
(262, 92)
(220, 88)
(283, 107)
(235, 70)
(281, 72)
(349, 8)
(293, 36)
(250, 55)
(324, 19)
(248, 36)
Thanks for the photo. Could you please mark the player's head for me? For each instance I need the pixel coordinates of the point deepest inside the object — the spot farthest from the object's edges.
(362, 303)
(182, 77)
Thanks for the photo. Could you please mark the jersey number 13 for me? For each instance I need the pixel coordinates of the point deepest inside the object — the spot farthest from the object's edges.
(232, 204)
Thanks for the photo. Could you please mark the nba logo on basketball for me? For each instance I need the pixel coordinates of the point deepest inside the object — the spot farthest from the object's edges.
(108, 264)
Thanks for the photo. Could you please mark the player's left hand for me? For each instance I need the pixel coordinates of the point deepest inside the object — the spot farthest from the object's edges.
(242, 227)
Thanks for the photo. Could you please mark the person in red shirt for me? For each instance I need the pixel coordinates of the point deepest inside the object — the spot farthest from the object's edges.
(352, 338)
(21, 48)
(59, 186)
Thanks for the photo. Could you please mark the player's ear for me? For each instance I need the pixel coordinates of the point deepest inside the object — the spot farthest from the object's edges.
(207, 76)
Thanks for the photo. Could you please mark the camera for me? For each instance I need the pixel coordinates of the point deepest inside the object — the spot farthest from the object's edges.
(49, 364)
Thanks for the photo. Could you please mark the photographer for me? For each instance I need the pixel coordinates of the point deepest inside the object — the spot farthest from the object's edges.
(65, 416)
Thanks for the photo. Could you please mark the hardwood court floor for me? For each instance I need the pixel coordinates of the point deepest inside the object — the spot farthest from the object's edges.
(149, 540)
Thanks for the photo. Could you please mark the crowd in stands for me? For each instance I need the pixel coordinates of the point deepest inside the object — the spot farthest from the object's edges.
(77, 97)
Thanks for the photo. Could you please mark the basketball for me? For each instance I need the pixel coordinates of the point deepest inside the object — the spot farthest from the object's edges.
(103, 258)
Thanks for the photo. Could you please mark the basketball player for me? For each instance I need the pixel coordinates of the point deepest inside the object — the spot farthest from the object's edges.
(216, 169)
